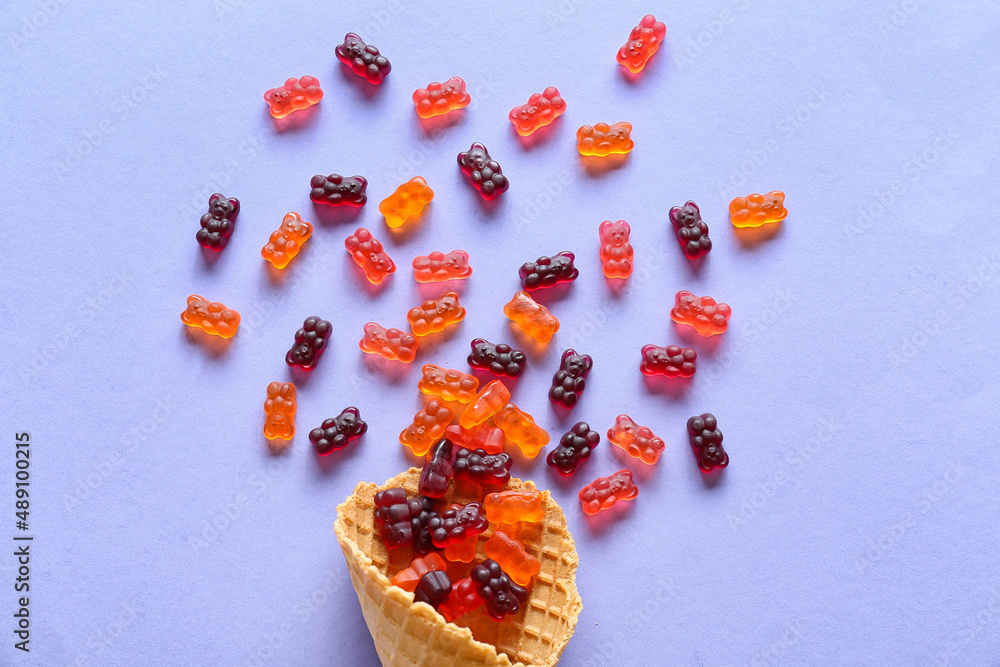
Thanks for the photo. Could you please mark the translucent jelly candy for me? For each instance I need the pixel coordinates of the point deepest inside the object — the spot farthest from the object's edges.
(462, 600)
(392, 344)
(210, 316)
(408, 200)
(703, 313)
(616, 251)
(541, 109)
(548, 271)
(483, 171)
(436, 315)
(706, 441)
(483, 436)
(574, 447)
(638, 441)
(437, 266)
(482, 468)
(457, 523)
(433, 588)
(500, 359)
(672, 361)
(218, 224)
(533, 318)
(487, 402)
(363, 59)
(337, 190)
(501, 595)
(605, 492)
(570, 380)
(513, 506)
(448, 383)
(286, 242)
(508, 551)
(603, 139)
(440, 98)
(294, 95)
(463, 551)
(310, 341)
(692, 232)
(643, 42)
(521, 429)
(427, 427)
(407, 579)
(402, 521)
(756, 210)
(437, 471)
(279, 411)
(334, 433)
(368, 253)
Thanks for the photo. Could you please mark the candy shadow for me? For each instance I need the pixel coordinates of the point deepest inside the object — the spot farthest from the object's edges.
(432, 342)
(490, 207)
(538, 137)
(276, 276)
(435, 125)
(215, 346)
(751, 237)
(533, 348)
(649, 70)
(598, 166)
(567, 482)
(665, 386)
(617, 286)
(210, 257)
(711, 479)
(278, 446)
(371, 289)
(436, 290)
(300, 377)
(395, 371)
(335, 215)
(708, 345)
(602, 522)
(411, 226)
(369, 91)
(295, 121)
(548, 295)
(641, 471)
(560, 412)
(334, 460)
(697, 264)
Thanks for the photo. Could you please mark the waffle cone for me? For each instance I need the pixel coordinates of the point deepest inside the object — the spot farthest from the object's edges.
(409, 634)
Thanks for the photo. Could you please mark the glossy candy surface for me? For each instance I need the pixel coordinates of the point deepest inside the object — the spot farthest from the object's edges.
(487, 402)
(521, 429)
(548, 271)
(703, 313)
(440, 98)
(218, 224)
(211, 317)
(285, 243)
(515, 505)
(463, 551)
(483, 171)
(437, 471)
(448, 383)
(295, 94)
(500, 359)
(310, 341)
(540, 110)
(279, 411)
(501, 595)
(509, 552)
(427, 427)
(407, 579)
(672, 361)
(336, 432)
(401, 520)
(407, 201)
(369, 254)
(363, 59)
(706, 441)
(756, 210)
(602, 139)
(482, 468)
(483, 436)
(433, 588)
(604, 492)
(462, 600)
(574, 447)
(337, 190)
(616, 251)
(638, 441)
(691, 230)
(436, 315)
(437, 266)
(533, 318)
(457, 523)
(643, 42)
(392, 344)
(570, 380)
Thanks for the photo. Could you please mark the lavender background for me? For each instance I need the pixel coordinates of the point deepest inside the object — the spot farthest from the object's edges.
(857, 386)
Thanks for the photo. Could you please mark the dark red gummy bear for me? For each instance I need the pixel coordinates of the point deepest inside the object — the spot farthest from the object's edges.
(548, 271)
(437, 471)
(692, 232)
(337, 190)
(475, 465)
(218, 224)
(501, 595)
(433, 588)
(457, 523)
(575, 446)
(310, 341)
(706, 441)
(336, 432)
(500, 359)
(672, 361)
(570, 380)
(403, 521)
(363, 59)
(483, 171)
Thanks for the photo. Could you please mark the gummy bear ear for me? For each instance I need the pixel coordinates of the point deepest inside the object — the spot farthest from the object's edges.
(236, 206)
(363, 181)
(214, 198)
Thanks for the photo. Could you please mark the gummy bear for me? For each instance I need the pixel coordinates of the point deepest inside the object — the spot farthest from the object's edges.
(513, 506)
(337, 190)
(401, 520)
(437, 266)
(368, 253)
(500, 359)
(483, 171)
(427, 427)
(408, 200)
(279, 411)
(604, 492)
(440, 98)
(463, 551)
(436, 315)
(541, 109)
(508, 551)
(706, 441)
(457, 523)
(574, 447)
(437, 471)
(487, 402)
(603, 139)
(433, 588)
(310, 341)
(483, 436)
(363, 59)
(294, 95)
(533, 318)
(672, 361)
(703, 313)
(755, 210)
(482, 468)
(448, 383)
(212, 317)
(692, 231)
(570, 380)
(285, 243)
(548, 271)
(407, 579)
(638, 441)
(218, 224)
(334, 433)
(643, 42)
(521, 429)
(392, 344)
(463, 599)
(616, 251)
(501, 595)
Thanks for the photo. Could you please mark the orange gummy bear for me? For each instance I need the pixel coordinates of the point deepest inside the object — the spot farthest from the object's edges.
(603, 139)
(487, 402)
(407, 579)
(638, 441)
(616, 251)
(286, 242)
(701, 312)
(448, 383)
(440, 98)
(755, 210)
(393, 344)
(294, 95)
(427, 427)
(643, 42)
(279, 411)
(483, 436)
(463, 551)
(514, 560)
(408, 200)
(435, 315)
(211, 316)
(521, 429)
(514, 506)
(533, 318)
(437, 266)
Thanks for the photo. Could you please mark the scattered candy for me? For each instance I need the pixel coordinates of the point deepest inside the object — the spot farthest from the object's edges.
(408, 200)
(368, 253)
(393, 344)
(402, 521)
(602, 139)
(407, 579)
(574, 447)
(433, 588)
(501, 595)
(515, 505)
(755, 210)
(483, 171)
(437, 471)
(363, 59)
(500, 359)
(541, 109)
(279, 411)
(462, 600)
(437, 267)
(533, 318)
(483, 436)
(285, 243)
(310, 341)
(509, 553)
(218, 224)
(487, 402)
(440, 98)
(570, 380)
(691, 230)
(703, 313)
(605, 492)
(548, 271)
(210, 316)
(481, 468)
(521, 429)
(336, 432)
(337, 190)
(448, 383)
(427, 427)
(616, 251)
(294, 95)
(436, 315)
(638, 441)
(643, 42)
(706, 441)
(672, 361)
(457, 523)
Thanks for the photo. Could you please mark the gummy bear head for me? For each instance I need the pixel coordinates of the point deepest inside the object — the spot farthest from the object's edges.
(576, 364)
(222, 208)
(774, 205)
(475, 158)
(615, 233)
(686, 215)
(351, 48)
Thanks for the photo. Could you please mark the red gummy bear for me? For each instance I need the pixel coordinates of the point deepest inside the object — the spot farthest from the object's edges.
(616, 251)
(604, 492)
(369, 255)
(294, 95)
(703, 313)
(672, 361)
(437, 266)
(440, 98)
(643, 42)
(392, 344)
(541, 109)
